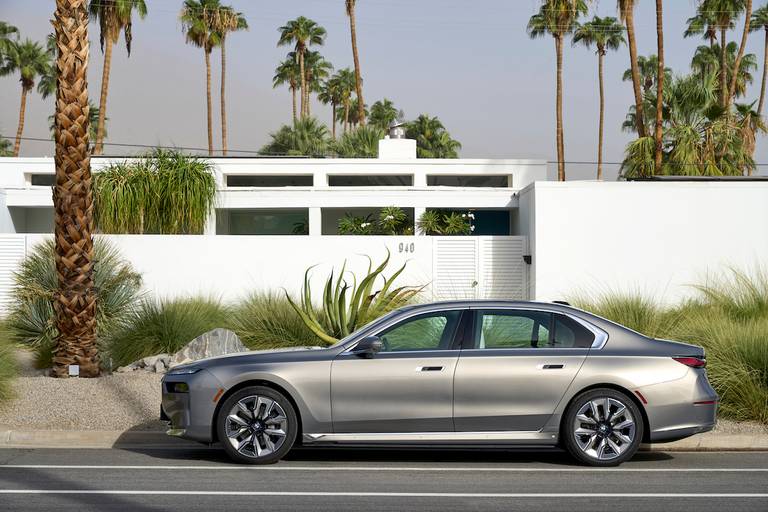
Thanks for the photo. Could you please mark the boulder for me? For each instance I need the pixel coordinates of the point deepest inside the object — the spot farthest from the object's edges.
(213, 343)
(159, 366)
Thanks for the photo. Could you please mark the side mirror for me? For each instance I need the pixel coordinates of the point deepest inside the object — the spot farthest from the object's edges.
(368, 347)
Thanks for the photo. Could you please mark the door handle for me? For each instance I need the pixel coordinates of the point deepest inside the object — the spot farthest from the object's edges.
(429, 368)
(551, 366)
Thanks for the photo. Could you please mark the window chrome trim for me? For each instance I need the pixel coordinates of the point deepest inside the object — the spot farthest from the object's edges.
(601, 337)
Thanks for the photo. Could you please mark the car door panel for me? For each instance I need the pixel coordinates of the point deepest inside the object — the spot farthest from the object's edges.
(396, 392)
(511, 389)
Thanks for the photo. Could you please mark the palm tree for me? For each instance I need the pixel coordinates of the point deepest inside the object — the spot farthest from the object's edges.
(197, 20)
(8, 34)
(350, 6)
(93, 121)
(75, 299)
(647, 68)
(657, 135)
(606, 34)
(287, 73)
(383, 112)
(706, 60)
(302, 33)
(742, 47)
(557, 18)
(226, 20)
(6, 147)
(704, 24)
(330, 94)
(305, 137)
(360, 143)
(115, 17)
(346, 83)
(316, 69)
(627, 15)
(750, 123)
(760, 21)
(432, 139)
(354, 117)
(31, 60)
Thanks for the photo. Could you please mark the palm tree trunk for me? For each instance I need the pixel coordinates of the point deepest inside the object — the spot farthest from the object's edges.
(303, 82)
(559, 109)
(293, 94)
(333, 120)
(639, 117)
(765, 75)
(600, 56)
(657, 135)
(346, 116)
(208, 99)
(223, 102)
(20, 129)
(356, 59)
(723, 68)
(742, 47)
(99, 146)
(74, 301)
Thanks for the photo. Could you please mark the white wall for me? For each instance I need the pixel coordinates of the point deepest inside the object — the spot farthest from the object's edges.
(656, 238)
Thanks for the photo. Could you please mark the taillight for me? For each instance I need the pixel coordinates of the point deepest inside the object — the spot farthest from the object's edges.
(692, 361)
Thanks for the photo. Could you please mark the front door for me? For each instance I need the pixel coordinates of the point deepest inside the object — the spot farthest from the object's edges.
(408, 386)
(517, 368)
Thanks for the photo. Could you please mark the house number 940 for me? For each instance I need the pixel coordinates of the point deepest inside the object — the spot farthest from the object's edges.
(403, 247)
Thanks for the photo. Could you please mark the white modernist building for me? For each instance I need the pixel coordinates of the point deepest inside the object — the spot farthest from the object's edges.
(534, 239)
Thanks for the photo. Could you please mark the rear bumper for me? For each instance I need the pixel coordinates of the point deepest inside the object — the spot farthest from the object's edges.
(698, 419)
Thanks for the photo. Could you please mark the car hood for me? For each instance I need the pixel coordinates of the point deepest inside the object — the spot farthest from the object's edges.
(256, 356)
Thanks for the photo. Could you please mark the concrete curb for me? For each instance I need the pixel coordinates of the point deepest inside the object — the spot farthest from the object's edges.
(156, 439)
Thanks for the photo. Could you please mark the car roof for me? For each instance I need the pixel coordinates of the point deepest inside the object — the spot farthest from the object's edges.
(488, 303)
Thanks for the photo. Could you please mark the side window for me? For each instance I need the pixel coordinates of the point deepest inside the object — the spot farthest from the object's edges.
(430, 331)
(512, 329)
(569, 333)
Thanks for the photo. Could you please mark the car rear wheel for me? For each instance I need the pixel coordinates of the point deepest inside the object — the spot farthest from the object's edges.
(602, 427)
(257, 425)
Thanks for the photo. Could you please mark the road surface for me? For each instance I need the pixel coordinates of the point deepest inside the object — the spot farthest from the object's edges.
(377, 480)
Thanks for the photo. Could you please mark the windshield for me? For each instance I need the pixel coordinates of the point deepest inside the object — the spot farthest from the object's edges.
(366, 327)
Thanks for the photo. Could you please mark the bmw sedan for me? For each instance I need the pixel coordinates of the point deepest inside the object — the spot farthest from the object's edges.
(491, 373)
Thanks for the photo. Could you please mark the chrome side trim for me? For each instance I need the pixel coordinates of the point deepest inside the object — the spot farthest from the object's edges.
(414, 437)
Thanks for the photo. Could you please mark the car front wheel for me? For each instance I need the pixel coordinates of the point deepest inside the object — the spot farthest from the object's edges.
(602, 427)
(257, 425)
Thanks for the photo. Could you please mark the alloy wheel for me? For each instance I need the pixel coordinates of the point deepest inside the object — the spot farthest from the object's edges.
(604, 428)
(256, 426)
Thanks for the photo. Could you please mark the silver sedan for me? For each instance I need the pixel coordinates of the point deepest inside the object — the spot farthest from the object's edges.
(452, 373)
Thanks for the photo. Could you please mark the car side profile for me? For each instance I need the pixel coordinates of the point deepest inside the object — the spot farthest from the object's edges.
(497, 373)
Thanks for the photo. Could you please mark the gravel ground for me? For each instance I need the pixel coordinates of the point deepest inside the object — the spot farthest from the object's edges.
(114, 402)
(124, 401)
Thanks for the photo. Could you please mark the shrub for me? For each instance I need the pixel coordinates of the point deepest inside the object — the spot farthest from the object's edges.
(446, 222)
(31, 320)
(390, 220)
(305, 137)
(346, 307)
(166, 192)
(267, 320)
(164, 327)
(730, 321)
(362, 142)
(7, 364)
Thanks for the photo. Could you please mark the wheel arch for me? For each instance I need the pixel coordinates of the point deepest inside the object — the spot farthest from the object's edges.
(615, 387)
(255, 382)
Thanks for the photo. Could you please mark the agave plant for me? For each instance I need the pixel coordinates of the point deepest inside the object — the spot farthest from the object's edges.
(346, 307)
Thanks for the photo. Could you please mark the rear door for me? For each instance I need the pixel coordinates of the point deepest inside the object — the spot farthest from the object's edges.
(517, 367)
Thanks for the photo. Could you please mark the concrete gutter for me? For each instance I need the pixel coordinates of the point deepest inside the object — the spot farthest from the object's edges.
(158, 439)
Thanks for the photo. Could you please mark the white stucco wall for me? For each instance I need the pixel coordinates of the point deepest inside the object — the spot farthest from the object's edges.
(651, 237)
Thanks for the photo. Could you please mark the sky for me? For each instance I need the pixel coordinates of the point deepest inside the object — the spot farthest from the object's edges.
(469, 63)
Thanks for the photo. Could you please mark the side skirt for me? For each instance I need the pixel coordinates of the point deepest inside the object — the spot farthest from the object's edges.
(464, 438)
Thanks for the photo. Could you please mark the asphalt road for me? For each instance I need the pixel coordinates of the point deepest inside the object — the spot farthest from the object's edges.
(377, 480)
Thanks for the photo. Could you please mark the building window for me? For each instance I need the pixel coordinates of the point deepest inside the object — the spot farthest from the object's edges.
(487, 180)
(282, 221)
(395, 180)
(336, 221)
(236, 180)
(42, 180)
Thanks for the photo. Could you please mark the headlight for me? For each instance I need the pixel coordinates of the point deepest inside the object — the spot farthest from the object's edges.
(184, 370)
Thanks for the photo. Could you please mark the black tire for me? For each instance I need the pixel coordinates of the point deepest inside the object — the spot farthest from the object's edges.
(588, 448)
(258, 428)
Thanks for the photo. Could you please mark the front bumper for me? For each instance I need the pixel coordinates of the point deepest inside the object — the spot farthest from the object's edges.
(190, 414)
